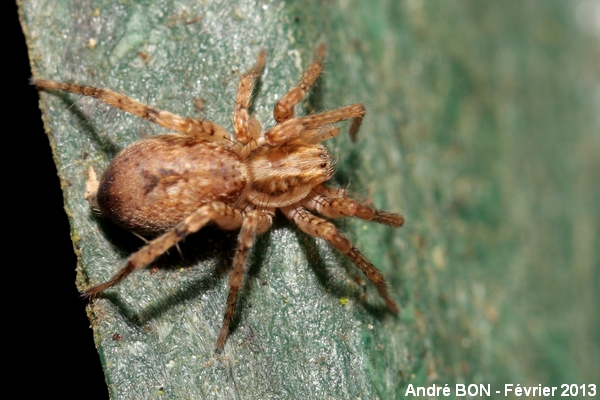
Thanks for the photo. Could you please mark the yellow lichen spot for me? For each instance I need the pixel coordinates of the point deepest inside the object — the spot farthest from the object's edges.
(439, 257)
(344, 301)
(91, 44)
(75, 236)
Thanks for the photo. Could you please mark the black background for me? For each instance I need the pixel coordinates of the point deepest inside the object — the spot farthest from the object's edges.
(47, 334)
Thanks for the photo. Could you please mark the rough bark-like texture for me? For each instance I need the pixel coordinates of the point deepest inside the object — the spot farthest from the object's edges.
(480, 129)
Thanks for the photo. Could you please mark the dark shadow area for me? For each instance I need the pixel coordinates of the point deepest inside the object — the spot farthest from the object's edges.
(313, 102)
(256, 260)
(258, 83)
(109, 148)
(206, 246)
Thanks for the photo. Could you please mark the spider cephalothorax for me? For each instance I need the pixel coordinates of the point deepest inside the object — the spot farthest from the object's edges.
(170, 186)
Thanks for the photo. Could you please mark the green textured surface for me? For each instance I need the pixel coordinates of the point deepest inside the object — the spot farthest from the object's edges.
(481, 128)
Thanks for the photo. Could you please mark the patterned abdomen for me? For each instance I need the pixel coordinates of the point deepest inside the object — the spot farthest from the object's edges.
(155, 183)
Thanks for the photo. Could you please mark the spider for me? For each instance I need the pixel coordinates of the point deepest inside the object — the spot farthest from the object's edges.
(170, 186)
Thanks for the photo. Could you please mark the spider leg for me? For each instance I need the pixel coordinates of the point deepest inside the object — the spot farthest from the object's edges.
(324, 133)
(308, 125)
(356, 112)
(254, 221)
(333, 203)
(202, 128)
(244, 126)
(220, 213)
(284, 109)
(311, 128)
(319, 227)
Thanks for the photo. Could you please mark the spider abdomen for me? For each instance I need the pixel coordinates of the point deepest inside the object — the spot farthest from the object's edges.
(156, 182)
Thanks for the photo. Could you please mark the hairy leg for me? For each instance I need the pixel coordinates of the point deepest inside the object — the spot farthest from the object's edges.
(217, 212)
(193, 127)
(334, 203)
(298, 128)
(244, 126)
(253, 221)
(284, 109)
(356, 112)
(323, 133)
(319, 227)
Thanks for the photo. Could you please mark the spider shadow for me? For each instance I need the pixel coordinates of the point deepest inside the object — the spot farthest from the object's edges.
(315, 97)
(258, 84)
(205, 256)
(209, 245)
(256, 259)
(109, 148)
(336, 284)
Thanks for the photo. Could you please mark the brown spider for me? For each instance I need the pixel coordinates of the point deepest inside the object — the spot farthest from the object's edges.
(170, 186)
